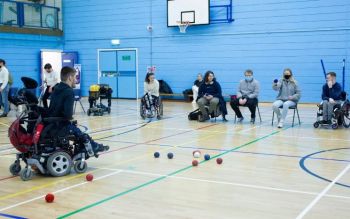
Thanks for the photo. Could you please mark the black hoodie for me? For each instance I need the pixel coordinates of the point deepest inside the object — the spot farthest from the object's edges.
(62, 102)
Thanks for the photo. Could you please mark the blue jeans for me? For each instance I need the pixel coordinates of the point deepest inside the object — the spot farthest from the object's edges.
(4, 101)
(83, 137)
(286, 104)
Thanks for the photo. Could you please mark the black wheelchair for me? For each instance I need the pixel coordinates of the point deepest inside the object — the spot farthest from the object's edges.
(41, 146)
(340, 116)
(151, 106)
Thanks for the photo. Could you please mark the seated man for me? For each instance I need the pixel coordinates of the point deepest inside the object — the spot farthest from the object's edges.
(331, 96)
(61, 105)
(247, 94)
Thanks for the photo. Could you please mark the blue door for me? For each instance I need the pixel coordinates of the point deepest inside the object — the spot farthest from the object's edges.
(118, 70)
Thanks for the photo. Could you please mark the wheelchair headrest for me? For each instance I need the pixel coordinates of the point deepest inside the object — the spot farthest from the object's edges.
(29, 83)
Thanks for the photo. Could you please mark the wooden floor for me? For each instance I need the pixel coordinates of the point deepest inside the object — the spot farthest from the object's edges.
(266, 173)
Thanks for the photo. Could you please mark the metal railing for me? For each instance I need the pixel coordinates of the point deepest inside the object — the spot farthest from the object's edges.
(32, 15)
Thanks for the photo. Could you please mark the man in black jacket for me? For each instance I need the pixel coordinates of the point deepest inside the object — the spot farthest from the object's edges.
(61, 105)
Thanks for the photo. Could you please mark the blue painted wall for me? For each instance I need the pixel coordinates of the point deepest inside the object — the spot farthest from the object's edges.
(266, 36)
(22, 53)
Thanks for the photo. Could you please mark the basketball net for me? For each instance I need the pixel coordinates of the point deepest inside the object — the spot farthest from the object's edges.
(183, 26)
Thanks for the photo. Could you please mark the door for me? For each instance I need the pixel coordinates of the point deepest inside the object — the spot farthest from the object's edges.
(118, 69)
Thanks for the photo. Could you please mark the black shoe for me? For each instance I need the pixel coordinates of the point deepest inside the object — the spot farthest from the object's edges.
(240, 119)
(101, 148)
(252, 120)
(204, 118)
(3, 115)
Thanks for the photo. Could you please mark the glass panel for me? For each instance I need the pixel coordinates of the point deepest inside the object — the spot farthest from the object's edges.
(49, 18)
(32, 15)
(8, 13)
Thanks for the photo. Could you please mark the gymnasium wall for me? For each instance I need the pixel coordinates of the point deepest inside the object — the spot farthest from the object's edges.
(266, 36)
(22, 53)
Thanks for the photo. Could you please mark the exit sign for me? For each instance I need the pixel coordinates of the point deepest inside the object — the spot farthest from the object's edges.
(126, 58)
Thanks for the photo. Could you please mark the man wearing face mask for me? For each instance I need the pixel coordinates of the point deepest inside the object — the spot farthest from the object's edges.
(331, 96)
(247, 95)
(61, 105)
(4, 87)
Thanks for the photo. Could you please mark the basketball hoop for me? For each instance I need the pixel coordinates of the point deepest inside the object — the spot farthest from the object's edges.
(183, 25)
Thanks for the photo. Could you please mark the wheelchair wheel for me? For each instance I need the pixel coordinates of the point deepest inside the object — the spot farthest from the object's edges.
(334, 125)
(160, 111)
(80, 166)
(26, 174)
(316, 125)
(59, 164)
(346, 119)
(15, 168)
(142, 112)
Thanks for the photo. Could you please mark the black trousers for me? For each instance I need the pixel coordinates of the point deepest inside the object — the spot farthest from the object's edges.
(46, 96)
(251, 104)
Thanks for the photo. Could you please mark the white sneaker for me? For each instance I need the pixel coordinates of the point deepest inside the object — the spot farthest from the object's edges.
(280, 124)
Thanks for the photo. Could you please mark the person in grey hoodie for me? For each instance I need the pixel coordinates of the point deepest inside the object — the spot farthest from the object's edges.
(247, 95)
(288, 95)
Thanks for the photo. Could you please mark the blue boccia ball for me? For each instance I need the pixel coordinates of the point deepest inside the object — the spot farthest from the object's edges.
(156, 154)
(207, 157)
(170, 155)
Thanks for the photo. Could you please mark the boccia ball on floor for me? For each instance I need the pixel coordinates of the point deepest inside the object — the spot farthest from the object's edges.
(207, 157)
(196, 154)
(49, 198)
(170, 155)
(156, 154)
(89, 177)
(219, 160)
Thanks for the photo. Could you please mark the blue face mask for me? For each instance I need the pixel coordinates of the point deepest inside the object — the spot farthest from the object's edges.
(248, 78)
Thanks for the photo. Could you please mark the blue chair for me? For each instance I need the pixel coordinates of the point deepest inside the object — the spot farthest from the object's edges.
(77, 98)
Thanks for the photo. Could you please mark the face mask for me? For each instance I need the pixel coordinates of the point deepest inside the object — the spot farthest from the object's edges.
(287, 77)
(249, 78)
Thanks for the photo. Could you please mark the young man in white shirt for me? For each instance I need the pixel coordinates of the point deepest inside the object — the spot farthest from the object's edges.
(4, 87)
(50, 78)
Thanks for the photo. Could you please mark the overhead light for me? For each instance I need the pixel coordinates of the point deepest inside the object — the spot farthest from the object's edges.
(115, 42)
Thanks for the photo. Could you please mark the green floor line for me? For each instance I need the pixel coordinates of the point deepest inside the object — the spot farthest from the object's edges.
(164, 177)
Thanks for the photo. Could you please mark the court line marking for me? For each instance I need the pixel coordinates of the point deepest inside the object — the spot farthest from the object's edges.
(163, 177)
(59, 191)
(79, 175)
(307, 170)
(12, 216)
(240, 152)
(227, 183)
(70, 178)
(76, 176)
(323, 193)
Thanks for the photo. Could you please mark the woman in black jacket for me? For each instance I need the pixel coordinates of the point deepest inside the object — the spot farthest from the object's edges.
(210, 94)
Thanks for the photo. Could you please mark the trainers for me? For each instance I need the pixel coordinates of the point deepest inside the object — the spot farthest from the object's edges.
(102, 148)
(204, 118)
(240, 119)
(3, 115)
(252, 120)
(280, 124)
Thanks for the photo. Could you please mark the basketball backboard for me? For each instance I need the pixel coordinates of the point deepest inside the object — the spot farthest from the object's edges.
(196, 12)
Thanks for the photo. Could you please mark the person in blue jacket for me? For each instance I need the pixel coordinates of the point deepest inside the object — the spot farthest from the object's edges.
(210, 93)
(331, 96)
